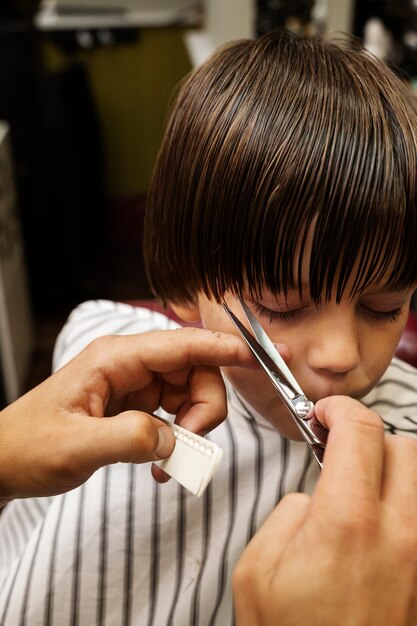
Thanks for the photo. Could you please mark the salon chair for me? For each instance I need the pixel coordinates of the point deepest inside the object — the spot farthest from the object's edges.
(406, 349)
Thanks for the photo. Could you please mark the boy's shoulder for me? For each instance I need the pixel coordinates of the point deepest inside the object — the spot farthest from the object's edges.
(394, 398)
(401, 375)
(96, 318)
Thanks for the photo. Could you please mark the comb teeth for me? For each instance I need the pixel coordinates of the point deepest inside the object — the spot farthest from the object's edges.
(193, 461)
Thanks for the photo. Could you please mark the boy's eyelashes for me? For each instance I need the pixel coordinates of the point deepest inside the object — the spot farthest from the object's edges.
(384, 316)
(292, 315)
(283, 316)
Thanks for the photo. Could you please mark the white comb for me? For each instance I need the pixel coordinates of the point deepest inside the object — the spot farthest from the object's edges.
(193, 461)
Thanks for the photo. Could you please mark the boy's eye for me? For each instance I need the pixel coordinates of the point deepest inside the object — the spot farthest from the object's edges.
(295, 314)
(282, 316)
(383, 316)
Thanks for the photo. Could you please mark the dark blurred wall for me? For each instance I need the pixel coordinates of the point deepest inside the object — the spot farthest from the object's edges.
(132, 85)
(86, 126)
(57, 156)
(399, 20)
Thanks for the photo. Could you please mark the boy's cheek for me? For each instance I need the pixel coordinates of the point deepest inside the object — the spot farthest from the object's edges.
(252, 385)
(213, 317)
(258, 392)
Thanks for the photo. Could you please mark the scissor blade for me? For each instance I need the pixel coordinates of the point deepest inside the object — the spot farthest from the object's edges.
(269, 366)
(282, 386)
(269, 347)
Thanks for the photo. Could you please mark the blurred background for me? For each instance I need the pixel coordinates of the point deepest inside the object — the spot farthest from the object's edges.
(85, 87)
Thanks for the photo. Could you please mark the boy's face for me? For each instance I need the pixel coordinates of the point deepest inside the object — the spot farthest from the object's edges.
(334, 349)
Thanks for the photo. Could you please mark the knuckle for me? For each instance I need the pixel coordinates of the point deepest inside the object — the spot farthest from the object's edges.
(406, 444)
(361, 525)
(403, 452)
(368, 419)
(63, 466)
(99, 345)
(403, 547)
(190, 331)
(373, 420)
(295, 498)
(243, 576)
(143, 434)
(408, 545)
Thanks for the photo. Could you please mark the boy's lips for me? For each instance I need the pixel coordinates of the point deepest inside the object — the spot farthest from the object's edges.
(321, 391)
(355, 395)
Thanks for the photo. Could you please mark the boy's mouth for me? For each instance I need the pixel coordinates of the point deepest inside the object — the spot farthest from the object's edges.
(338, 390)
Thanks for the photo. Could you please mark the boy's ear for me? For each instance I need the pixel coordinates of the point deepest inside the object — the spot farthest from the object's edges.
(189, 313)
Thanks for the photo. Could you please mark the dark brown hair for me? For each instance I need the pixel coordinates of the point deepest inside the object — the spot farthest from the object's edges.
(268, 141)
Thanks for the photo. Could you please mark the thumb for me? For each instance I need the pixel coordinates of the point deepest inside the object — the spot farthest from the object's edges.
(130, 437)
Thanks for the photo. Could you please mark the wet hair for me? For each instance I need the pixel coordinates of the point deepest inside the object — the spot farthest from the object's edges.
(275, 142)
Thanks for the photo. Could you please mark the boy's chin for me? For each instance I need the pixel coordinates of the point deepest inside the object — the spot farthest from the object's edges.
(292, 433)
(286, 427)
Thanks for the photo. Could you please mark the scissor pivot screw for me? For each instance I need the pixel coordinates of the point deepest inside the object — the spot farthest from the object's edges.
(303, 407)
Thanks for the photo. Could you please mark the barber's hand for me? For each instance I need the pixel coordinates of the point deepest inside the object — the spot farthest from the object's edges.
(347, 556)
(53, 438)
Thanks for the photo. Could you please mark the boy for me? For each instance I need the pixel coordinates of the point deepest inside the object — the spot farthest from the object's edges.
(287, 176)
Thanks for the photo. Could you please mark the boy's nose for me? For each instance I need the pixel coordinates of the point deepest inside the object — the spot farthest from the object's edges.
(335, 348)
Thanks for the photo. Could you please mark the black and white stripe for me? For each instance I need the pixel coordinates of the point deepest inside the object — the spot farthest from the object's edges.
(123, 550)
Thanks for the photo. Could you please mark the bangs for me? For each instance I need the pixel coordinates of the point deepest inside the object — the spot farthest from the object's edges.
(344, 206)
(302, 155)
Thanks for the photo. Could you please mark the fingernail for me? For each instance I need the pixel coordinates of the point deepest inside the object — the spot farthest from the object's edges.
(165, 442)
(318, 429)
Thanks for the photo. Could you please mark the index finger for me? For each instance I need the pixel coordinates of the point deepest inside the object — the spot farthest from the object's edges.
(129, 361)
(354, 456)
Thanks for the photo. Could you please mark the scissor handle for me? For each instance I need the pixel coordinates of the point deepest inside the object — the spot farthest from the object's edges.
(318, 452)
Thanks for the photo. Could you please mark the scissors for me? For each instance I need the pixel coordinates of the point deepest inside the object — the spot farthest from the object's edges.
(281, 378)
